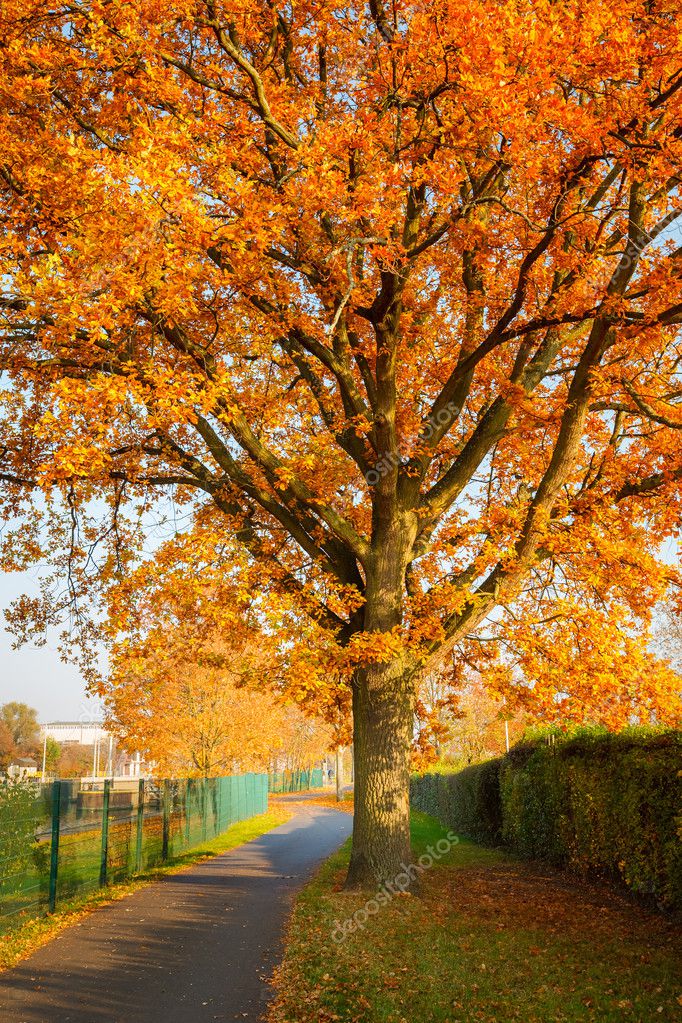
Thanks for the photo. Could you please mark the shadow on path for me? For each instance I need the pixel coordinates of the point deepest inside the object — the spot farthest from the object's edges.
(196, 946)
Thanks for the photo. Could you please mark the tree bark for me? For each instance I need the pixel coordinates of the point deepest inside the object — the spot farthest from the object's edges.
(383, 713)
(383, 708)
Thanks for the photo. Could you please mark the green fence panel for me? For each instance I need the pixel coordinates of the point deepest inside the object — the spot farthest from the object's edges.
(63, 840)
(139, 827)
(295, 781)
(26, 816)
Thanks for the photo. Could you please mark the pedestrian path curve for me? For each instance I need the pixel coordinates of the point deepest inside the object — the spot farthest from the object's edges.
(195, 947)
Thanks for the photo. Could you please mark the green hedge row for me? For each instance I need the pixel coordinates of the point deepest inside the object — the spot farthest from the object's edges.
(468, 801)
(599, 804)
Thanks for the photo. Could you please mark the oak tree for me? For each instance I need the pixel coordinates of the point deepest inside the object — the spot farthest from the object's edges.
(389, 295)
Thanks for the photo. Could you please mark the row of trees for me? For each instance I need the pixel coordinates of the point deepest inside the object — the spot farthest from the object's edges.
(191, 718)
(205, 708)
(188, 718)
(385, 299)
(194, 679)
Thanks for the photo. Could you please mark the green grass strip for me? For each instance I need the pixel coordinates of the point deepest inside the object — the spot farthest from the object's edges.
(488, 939)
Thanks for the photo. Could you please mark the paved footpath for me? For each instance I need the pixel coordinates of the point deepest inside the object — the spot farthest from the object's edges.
(194, 947)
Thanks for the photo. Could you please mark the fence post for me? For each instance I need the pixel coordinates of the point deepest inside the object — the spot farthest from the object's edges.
(105, 834)
(166, 819)
(219, 783)
(214, 805)
(54, 845)
(140, 826)
(230, 800)
(188, 812)
(204, 808)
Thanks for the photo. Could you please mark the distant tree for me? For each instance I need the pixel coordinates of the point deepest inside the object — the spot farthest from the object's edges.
(667, 633)
(478, 732)
(7, 746)
(53, 752)
(191, 710)
(305, 740)
(22, 723)
(74, 760)
(200, 672)
(461, 721)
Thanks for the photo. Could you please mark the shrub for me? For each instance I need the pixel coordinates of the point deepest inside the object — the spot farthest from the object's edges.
(599, 804)
(468, 801)
(607, 805)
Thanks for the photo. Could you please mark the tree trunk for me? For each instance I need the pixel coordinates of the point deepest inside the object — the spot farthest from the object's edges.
(383, 712)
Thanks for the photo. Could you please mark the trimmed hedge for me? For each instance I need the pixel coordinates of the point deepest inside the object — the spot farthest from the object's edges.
(468, 802)
(599, 804)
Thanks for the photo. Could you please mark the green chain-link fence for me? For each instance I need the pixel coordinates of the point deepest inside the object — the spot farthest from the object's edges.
(295, 781)
(62, 840)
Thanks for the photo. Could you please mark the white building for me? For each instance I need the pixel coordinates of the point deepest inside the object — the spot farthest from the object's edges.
(107, 758)
(85, 733)
(21, 768)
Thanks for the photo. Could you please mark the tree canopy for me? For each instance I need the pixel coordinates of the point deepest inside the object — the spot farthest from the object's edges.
(197, 698)
(390, 297)
(21, 725)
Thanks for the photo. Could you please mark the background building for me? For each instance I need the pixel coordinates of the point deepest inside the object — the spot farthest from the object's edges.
(91, 741)
(83, 733)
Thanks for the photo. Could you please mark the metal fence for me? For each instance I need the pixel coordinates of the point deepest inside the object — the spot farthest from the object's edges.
(295, 781)
(62, 840)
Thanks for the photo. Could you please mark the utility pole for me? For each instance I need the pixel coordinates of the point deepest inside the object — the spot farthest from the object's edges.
(44, 756)
(339, 765)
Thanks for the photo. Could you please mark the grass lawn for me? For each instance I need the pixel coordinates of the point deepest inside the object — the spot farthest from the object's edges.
(488, 939)
(30, 934)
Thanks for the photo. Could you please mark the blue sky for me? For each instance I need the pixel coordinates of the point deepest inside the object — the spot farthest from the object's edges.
(37, 675)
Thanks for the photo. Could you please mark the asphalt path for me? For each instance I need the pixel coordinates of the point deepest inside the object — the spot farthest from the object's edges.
(195, 947)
